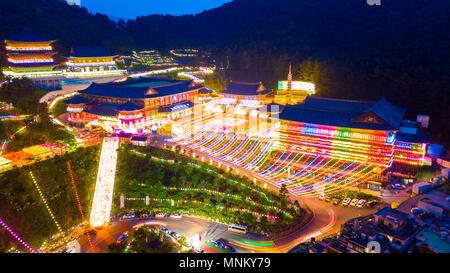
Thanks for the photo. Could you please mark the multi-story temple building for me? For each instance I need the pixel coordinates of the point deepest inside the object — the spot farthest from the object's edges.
(134, 105)
(91, 61)
(31, 55)
(293, 92)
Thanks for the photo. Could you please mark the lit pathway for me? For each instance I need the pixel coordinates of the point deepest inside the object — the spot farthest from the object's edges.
(104, 188)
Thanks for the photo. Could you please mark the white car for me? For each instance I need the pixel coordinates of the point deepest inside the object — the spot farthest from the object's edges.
(160, 215)
(346, 201)
(361, 203)
(322, 196)
(176, 216)
(354, 202)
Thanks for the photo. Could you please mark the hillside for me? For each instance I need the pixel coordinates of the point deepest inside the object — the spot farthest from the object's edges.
(398, 50)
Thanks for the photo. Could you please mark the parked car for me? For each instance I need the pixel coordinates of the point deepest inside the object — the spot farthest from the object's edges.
(322, 196)
(354, 202)
(129, 216)
(398, 186)
(372, 203)
(346, 201)
(417, 211)
(175, 235)
(160, 215)
(328, 198)
(122, 237)
(176, 216)
(361, 203)
(336, 201)
(164, 229)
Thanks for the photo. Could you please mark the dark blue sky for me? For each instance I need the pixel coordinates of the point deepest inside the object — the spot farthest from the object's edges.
(129, 9)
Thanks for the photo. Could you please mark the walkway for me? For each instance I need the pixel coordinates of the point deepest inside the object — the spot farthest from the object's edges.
(104, 188)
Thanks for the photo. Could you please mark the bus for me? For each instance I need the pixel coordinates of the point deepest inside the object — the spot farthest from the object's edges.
(237, 228)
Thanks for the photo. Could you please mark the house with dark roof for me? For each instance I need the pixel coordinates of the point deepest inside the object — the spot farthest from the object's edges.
(250, 94)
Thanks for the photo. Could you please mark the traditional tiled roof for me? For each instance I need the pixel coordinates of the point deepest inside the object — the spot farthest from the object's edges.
(344, 113)
(388, 112)
(109, 90)
(122, 90)
(76, 100)
(330, 118)
(129, 106)
(171, 89)
(27, 36)
(245, 89)
(101, 111)
(90, 51)
(329, 104)
(205, 91)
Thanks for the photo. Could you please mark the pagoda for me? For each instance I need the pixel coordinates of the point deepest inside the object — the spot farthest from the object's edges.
(293, 92)
(31, 55)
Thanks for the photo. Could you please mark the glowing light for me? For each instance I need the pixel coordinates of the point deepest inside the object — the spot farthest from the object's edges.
(16, 236)
(45, 202)
(104, 187)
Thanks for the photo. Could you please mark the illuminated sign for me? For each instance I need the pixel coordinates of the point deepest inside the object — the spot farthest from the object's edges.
(297, 85)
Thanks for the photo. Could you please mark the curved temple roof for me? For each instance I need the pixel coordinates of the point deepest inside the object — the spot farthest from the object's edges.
(344, 113)
(27, 36)
(152, 90)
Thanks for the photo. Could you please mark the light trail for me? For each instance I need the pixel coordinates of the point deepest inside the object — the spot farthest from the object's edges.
(16, 236)
(79, 203)
(45, 203)
(104, 187)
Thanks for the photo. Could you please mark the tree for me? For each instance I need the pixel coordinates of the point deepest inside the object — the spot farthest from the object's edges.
(116, 248)
(217, 81)
(283, 191)
(315, 72)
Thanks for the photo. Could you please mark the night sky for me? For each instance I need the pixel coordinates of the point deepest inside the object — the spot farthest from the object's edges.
(129, 9)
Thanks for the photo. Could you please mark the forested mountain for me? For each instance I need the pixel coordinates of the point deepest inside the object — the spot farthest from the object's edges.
(349, 48)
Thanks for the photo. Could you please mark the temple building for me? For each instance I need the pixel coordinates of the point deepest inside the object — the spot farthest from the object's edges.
(250, 95)
(91, 61)
(31, 55)
(367, 132)
(134, 106)
(293, 92)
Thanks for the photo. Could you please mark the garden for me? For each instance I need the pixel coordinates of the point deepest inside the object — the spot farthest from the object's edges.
(173, 183)
(23, 208)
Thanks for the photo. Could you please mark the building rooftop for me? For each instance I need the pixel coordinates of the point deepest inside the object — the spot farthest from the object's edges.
(394, 214)
(76, 100)
(27, 36)
(129, 106)
(344, 113)
(140, 88)
(245, 89)
(90, 51)
(101, 111)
